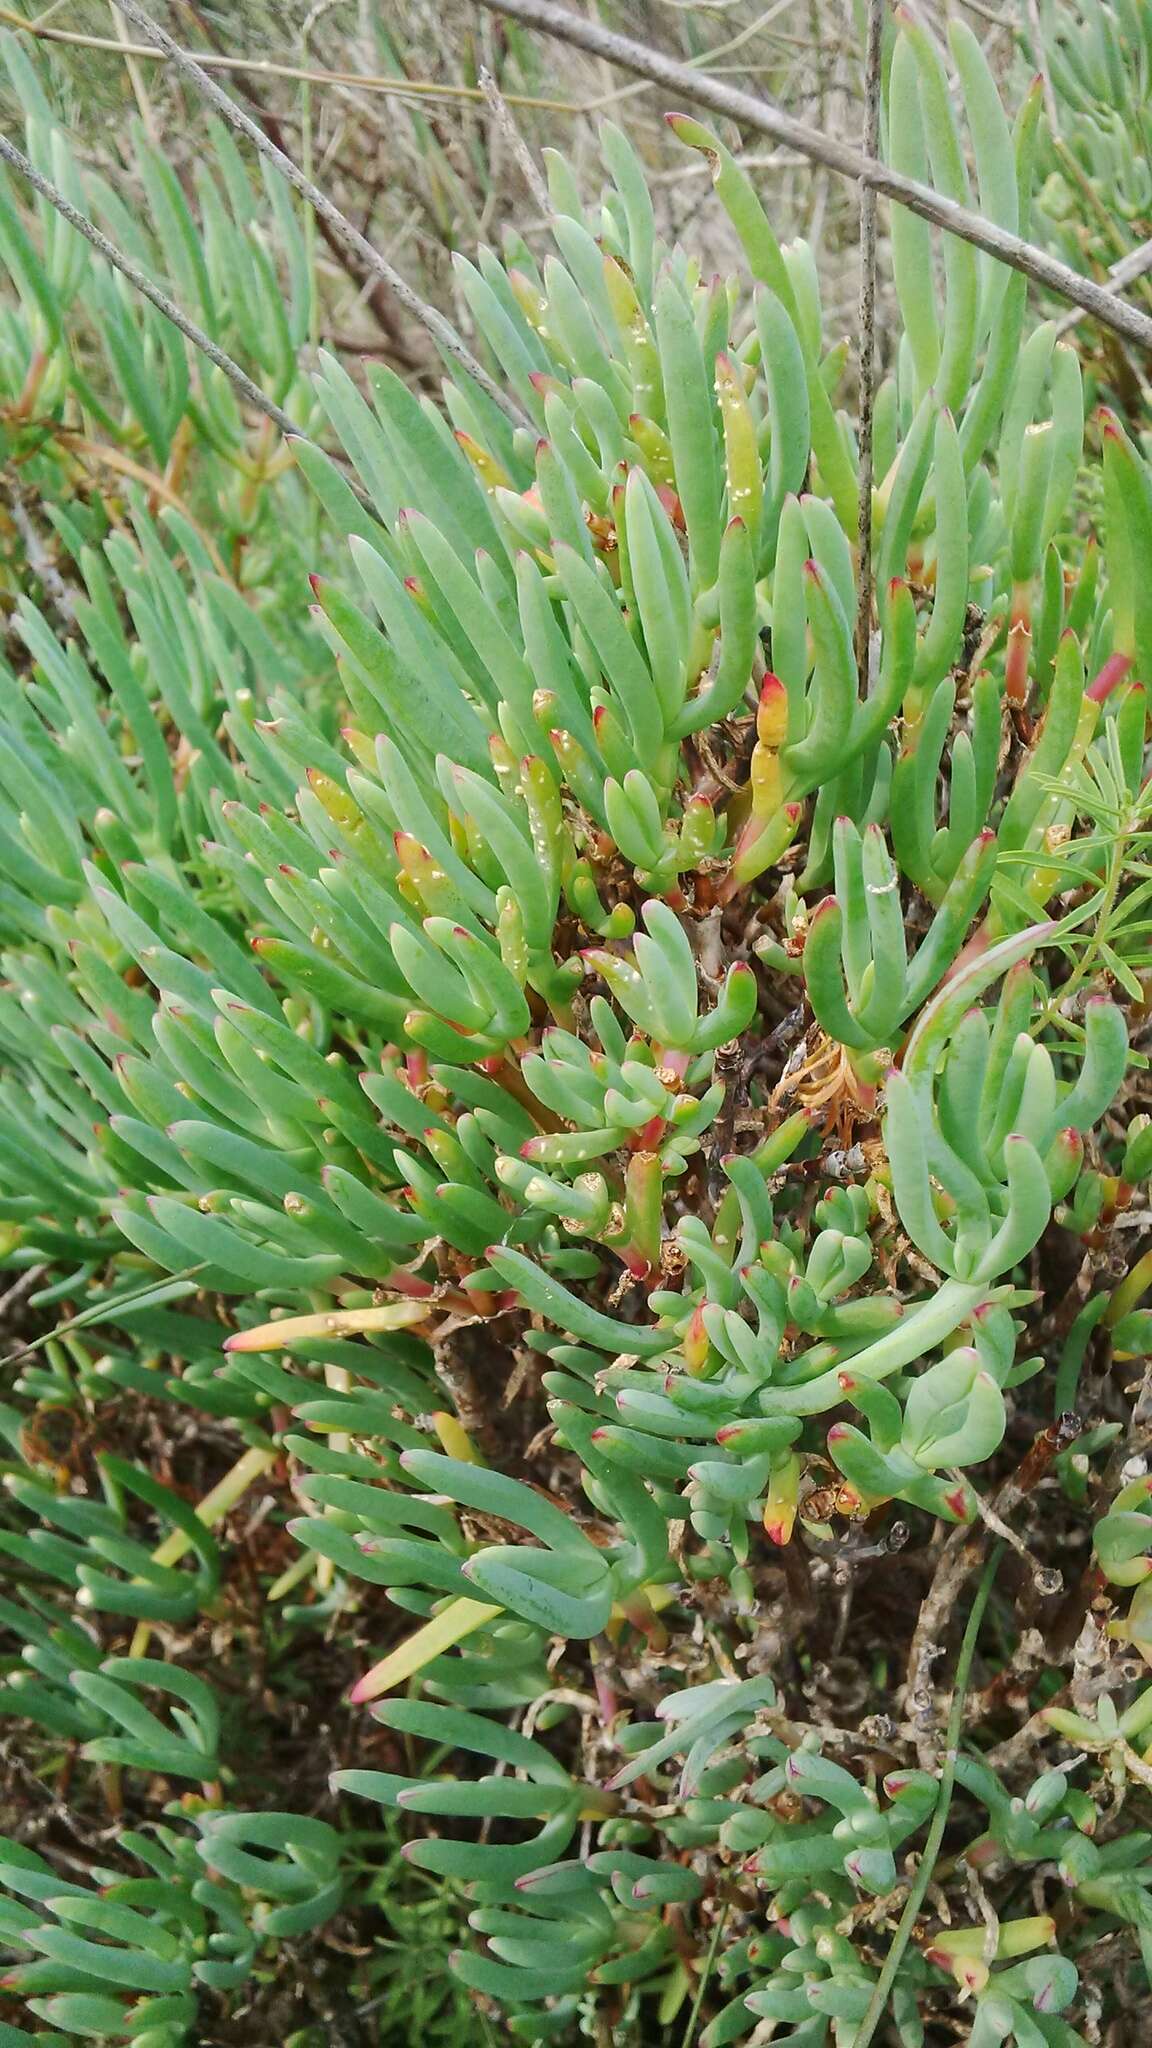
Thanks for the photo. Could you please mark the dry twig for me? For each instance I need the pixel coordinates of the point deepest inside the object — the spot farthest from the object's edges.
(525, 161)
(867, 338)
(958, 1559)
(1124, 272)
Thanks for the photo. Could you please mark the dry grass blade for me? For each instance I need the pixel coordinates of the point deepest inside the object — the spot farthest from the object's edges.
(272, 67)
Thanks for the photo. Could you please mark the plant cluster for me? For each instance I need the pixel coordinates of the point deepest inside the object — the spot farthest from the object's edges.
(1094, 201)
(603, 1056)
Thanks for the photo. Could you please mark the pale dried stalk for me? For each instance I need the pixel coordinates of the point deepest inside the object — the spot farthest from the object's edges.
(867, 339)
(271, 67)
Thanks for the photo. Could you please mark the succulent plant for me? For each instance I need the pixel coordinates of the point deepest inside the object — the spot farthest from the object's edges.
(1094, 194)
(592, 1048)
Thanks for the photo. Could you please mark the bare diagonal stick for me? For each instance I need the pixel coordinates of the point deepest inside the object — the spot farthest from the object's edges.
(765, 119)
(377, 266)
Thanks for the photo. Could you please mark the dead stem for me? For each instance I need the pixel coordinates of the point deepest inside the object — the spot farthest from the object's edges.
(867, 342)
